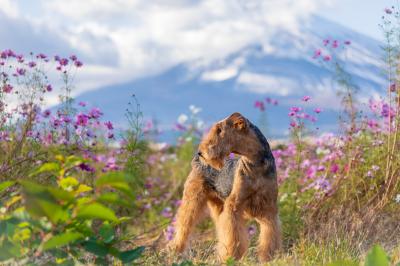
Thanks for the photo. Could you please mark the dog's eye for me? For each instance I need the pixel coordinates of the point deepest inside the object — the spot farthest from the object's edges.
(218, 130)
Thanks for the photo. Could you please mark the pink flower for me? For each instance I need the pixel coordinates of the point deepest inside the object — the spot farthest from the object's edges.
(388, 11)
(259, 105)
(7, 88)
(306, 98)
(335, 44)
(41, 56)
(109, 125)
(78, 63)
(295, 109)
(21, 71)
(83, 104)
(73, 57)
(317, 110)
(63, 61)
(393, 87)
(327, 58)
(81, 119)
(293, 124)
(95, 113)
(317, 53)
(325, 42)
(334, 168)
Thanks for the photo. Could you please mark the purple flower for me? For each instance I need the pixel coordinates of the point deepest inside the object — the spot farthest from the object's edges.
(41, 56)
(81, 119)
(347, 42)
(78, 63)
(295, 109)
(388, 11)
(167, 212)
(110, 135)
(86, 167)
(73, 57)
(317, 110)
(95, 113)
(20, 71)
(49, 88)
(46, 113)
(31, 64)
(306, 98)
(63, 61)
(109, 125)
(259, 105)
(83, 104)
(317, 53)
(7, 88)
(327, 58)
(169, 233)
(393, 87)
(335, 44)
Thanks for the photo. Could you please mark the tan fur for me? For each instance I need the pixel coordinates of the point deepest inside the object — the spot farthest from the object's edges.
(253, 195)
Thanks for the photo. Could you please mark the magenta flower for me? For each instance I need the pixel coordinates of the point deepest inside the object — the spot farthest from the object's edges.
(306, 98)
(41, 56)
(20, 58)
(388, 11)
(317, 110)
(63, 61)
(78, 63)
(109, 125)
(95, 113)
(110, 135)
(334, 168)
(46, 113)
(21, 71)
(83, 104)
(317, 53)
(335, 44)
(325, 42)
(259, 105)
(293, 124)
(327, 58)
(295, 109)
(7, 88)
(81, 119)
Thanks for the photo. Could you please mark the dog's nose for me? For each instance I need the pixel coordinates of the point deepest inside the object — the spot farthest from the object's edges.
(199, 153)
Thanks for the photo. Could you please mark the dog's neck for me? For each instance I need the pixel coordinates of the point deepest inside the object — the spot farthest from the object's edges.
(255, 149)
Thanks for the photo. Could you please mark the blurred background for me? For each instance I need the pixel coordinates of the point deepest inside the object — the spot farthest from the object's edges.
(220, 56)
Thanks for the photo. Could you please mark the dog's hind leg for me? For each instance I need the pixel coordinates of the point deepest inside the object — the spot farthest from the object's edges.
(190, 212)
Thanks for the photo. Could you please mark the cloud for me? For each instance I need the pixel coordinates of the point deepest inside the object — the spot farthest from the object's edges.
(130, 39)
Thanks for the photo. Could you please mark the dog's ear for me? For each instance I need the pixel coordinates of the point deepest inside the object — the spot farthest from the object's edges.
(238, 121)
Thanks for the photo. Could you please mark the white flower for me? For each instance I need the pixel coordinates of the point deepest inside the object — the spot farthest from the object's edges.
(194, 109)
(182, 119)
(200, 124)
(397, 198)
(375, 167)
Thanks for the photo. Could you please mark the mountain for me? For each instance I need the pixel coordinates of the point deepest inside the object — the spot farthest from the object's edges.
(281, 67)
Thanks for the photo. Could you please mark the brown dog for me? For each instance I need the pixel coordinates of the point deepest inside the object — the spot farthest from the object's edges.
(234, 190)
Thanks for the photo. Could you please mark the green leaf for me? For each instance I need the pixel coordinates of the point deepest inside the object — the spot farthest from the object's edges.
(377, 257)
(117, 181)
(97, 210)
(9, 250)
(68, 182)
(5, 185)
(107, 232)
(96, 248)
(131, 255)
(62, 240)
(47, 167)
(113, 198)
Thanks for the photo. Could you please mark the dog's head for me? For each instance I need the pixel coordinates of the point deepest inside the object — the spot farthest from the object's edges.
(224, 137)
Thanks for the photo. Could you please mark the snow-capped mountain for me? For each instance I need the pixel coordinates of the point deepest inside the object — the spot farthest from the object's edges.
(282, 68)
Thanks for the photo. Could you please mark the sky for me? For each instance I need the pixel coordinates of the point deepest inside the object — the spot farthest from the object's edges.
(120, 40)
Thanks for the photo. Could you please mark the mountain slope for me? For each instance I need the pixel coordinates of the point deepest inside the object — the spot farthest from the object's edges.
(282, 68)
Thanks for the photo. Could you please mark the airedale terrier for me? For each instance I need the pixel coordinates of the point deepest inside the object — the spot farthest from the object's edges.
(234, 190)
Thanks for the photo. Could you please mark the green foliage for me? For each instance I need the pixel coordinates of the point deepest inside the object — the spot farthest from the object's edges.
(377, 257)
(61, 222)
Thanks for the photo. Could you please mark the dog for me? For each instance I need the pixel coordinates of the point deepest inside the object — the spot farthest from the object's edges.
(234, 190)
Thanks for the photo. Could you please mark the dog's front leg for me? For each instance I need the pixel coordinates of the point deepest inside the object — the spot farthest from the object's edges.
(231, 229)
(190, 211)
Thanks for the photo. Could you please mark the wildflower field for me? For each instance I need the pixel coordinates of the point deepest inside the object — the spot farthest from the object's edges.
(77, 190)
